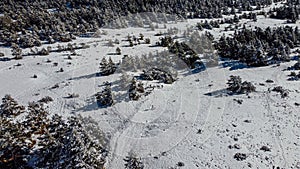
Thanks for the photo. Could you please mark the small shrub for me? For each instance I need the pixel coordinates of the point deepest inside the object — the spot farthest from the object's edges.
(147, 41)
(72, 95)
(283, 92)
(46, 99)
(240, 156)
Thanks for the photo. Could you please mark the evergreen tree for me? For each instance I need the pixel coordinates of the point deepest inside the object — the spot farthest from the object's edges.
(118, 51)
(105, 98)
(135, 89)
(41, 141)
(236, 86)
(16, 52)
(10, 107)
(133, 162)
(107, 68)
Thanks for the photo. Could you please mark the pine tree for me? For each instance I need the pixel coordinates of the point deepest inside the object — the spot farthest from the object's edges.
(118, 51)
(124, 80)
(135, 89)
(105, 98)
(107, 68)
(133, 162)
(16, 52)
(38, 141)
(10, 107)
(236, 86)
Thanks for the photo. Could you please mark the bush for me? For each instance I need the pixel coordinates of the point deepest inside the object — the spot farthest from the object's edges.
(147, 41)
(283, 92)
(236, 86)
(46, 99)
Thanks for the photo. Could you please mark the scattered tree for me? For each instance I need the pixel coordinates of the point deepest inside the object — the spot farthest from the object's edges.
(133, 162)
(107, 68)
(236, 86)
(105, 98)
(118, 51)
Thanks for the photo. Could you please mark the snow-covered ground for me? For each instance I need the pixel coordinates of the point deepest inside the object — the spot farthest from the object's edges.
(181, 122)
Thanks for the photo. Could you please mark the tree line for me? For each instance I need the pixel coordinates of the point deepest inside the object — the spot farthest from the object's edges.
(59, 21)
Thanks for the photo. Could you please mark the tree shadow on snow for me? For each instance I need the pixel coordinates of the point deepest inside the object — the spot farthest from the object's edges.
(113, 54)
(234, 64)
(223, 92)
(91, 105)
(5, 59)
(120, 95)
(218, 93)
(85, 76)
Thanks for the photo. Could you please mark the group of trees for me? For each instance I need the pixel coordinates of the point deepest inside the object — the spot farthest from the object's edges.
(216, 23)
(259, 47)
(181, 50)
(283, 92)
(162, 60)
(107, 67)
(236, 86)
(61, 20)
(41, 141)
(294, 76)
(133, 162)
(135, 90)
(289, 11)
(158, 74)
(134, 40)
(185, 53)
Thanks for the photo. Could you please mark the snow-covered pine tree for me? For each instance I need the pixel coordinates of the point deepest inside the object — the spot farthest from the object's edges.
(105, 98)
(124, 80)
(128, 64)
(133, 162)
(10, 107)
(107, 67)
(38, 141)
(135, 89)
(16, 52)
(118, 51)
(236, 86)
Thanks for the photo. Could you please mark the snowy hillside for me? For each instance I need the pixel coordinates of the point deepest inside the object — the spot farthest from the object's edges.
(156, 95)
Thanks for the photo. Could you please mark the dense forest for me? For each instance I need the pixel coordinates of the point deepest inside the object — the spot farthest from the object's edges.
(54, 21)
(31, 138)
(289, 11)
(260, 47)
